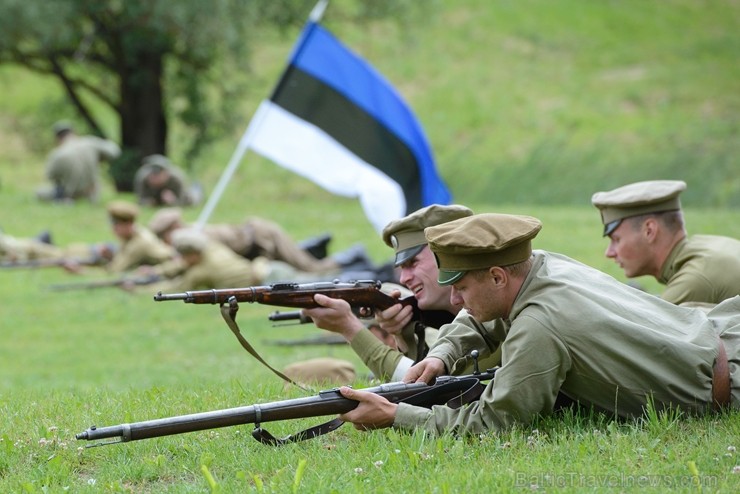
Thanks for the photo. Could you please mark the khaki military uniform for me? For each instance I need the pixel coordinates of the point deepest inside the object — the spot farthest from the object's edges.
(576, 330)
(143, 248)
(258, 237)
(386, 363)
(703, 268)
(26, 249)
(220, 267)
(73, 167)
(150, 195)
(700, 270)
(29, 249)
(406, 237)
(254, 238)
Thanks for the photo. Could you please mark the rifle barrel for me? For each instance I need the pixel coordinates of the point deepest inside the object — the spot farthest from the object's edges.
(329, 402)
(295, 315)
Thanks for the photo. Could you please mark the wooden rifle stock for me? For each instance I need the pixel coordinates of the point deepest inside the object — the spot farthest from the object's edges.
(365, 296)
(449, 390)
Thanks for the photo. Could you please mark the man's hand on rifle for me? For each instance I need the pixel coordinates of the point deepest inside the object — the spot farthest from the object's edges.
(425, 371)
(334, 315)
(393, 319)
(373, 411)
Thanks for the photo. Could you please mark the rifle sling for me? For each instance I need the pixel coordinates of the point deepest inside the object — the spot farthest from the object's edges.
(422, 348)
(425, 398)
(268, 439)
(228, 312)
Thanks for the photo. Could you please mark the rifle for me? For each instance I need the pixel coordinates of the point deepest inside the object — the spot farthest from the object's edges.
(364, 296)
(295, 315)
(450, 390)
(330, 339)
(46, 263)
(83, 285)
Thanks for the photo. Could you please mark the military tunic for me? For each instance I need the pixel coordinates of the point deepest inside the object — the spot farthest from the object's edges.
(576, 330)
(29, 249)
(703, 268)
(143, 248)
(219, 267)
(73, 166)
(25, 249)
(387, 363)
(258, 237)
(390, 364)
(151, 195)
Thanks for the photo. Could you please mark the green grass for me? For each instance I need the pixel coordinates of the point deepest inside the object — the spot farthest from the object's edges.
(531, 106)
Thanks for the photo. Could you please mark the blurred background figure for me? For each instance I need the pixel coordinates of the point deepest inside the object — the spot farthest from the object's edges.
(137, 246)
(259, 237)
(160, 183)
(73, 167)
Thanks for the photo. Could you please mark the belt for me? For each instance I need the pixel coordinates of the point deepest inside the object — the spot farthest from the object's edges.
(721, 380)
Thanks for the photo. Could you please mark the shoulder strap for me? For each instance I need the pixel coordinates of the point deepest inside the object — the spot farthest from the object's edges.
(228, 312)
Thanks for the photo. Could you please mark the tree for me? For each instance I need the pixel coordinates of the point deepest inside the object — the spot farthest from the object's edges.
(138, 56)
(118, 53)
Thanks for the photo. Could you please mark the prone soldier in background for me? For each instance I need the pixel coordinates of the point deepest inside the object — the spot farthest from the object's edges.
(160, 183)
(258, 237)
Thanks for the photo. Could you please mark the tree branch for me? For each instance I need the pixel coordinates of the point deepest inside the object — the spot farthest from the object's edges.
(69, 87)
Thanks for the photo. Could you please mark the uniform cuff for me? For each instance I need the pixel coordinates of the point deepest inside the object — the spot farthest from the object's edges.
(409, 417)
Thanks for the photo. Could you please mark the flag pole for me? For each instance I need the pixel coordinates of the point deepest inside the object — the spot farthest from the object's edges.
(245, 142)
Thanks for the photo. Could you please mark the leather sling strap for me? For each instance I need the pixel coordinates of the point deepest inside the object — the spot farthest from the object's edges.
(265, 437)
(228, 312)
(721, 380)
(423, 398)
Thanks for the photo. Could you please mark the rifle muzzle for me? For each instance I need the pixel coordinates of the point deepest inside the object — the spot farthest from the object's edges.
(160, 297)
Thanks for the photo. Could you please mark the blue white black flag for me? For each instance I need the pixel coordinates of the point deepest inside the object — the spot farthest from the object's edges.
(336, 121)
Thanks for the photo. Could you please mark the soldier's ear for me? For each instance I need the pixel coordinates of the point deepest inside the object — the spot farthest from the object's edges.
(650, 228)
(498, 275)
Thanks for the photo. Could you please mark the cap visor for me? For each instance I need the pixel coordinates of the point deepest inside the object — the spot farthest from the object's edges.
(610, 227)
(407, 254)
(449, 277)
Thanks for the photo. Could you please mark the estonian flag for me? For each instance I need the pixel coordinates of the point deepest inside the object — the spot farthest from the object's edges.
(335, 120)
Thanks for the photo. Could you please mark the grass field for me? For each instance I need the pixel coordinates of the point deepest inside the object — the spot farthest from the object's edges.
(549, 129)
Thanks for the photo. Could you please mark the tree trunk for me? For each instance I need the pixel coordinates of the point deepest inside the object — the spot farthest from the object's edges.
(142, 115)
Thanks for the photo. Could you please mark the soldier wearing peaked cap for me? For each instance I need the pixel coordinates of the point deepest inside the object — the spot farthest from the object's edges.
(418, 275)
(256, 237)
(647, 236)
(206, 263)
(137, 245)
(564, 328)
